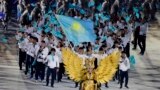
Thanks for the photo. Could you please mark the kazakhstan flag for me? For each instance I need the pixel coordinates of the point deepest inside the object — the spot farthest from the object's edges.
(76, 30)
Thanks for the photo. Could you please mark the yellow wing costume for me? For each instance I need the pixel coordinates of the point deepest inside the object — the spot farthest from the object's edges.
(73, 64)
(79, 72)
(107, 67)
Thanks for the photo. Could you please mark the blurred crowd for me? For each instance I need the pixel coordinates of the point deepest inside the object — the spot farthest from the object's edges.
(117, 24)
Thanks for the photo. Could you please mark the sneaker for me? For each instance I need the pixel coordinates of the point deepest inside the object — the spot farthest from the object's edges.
(36, 81)
(118, 82)
(25, 72)
(132, 42)
(76, 86)
(141, 53)
(46, 84)
(106, 86)
(133, 48)
(126, 86)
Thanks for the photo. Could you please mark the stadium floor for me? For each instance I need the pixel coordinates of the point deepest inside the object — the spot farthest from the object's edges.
(145, 76)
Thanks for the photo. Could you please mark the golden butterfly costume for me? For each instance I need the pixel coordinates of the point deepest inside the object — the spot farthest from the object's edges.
(89, 77)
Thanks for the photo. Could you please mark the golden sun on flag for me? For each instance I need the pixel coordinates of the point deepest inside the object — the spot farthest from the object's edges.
(77, 27)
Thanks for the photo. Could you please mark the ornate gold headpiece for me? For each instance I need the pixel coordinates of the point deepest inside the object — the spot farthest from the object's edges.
(89, 63)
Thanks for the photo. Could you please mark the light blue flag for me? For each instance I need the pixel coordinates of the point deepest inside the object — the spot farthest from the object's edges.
(127, 18)
(57, 34)
(97, 17)
(46, 16)
(47, 30)
(90, 4)
(34, 24)
(21, 29)
(39, 29)
(96, 48)
(53, 20)
(50, 12)
(137, 15)
(112, 28)
(33, 5)
(104, 18)
(132, 62)
(4, 40)
(135, 10)
(82, 11)
(47, 25)
(99, 7)
(104, 38)
(72, 6)
(132, 59)
(76, 30)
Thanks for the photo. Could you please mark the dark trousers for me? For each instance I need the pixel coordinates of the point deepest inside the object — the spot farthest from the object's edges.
(28, 63)
(22, 56)
(135, 42)
(51, 72)
(127, 49)
(40, 70)
(76, 84)
(142, 43)
(61, 71)
(153, 13)
(123, 75)
(117, 75)
(136, 34)
(31, 66)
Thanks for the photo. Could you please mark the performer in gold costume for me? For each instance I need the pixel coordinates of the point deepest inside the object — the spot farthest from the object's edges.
(84, 72)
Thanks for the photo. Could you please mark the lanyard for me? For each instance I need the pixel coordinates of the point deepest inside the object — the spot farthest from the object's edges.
(52, 58)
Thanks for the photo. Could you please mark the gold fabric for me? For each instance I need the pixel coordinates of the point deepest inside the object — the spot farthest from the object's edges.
(85, 73)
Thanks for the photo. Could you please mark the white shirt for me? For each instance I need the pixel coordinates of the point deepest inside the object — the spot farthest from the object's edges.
(99, 56)
(3, 6)
(130, 27)
(82, 56)
(36, 49)
(43, 5)
(143, 29)
(19, 7)
(59, 54)
(127, 38)
(105, 28)
(46, 40)
(124, 64)
(53, 61)
(24, 45)
(20, 44)
(24, 13)
(104, 3)
(120, 25)
(110, 50)
(18, 36)
(41, 23)
(110, 42)
(29, 30)
(33, 50)
(42, 55)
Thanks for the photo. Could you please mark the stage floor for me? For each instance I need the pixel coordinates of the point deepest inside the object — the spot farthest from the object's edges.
(146, 75)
